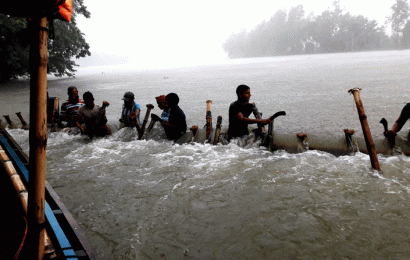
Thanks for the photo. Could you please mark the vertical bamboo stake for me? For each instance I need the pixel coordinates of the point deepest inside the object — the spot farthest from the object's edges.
(21, 118)
(37, 137)
(7, 117)
(269, 138)
(144, 123)
(218, 129)
(366, 130)
(208, 118)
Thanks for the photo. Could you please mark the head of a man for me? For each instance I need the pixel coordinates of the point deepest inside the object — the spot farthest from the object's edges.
(172, 100)
(88, 99)
(244, 93)
(128, 98)
(162, 104)
(72, 93)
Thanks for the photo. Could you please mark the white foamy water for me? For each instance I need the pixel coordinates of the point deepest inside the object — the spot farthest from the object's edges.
(152, 199)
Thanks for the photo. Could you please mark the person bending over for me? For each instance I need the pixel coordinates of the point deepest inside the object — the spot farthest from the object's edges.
(130, 115)
(175, 126)
(162, 104)
(91, 118)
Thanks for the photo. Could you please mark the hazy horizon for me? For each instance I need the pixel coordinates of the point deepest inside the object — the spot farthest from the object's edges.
(162, 33)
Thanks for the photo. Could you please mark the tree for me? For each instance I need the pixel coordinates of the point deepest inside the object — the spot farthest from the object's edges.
(334, 31)
(291, 33)
(13, 52)
(398, 19)
(406, 35)
(69, 42)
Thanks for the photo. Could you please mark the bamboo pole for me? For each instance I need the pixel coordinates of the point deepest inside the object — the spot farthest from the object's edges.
(7, 117)
(366, 129)
(194, 129)
(208, 118)
(37, 137)
(21, 191)
(269, 138)
(348, 136)
(149, 107)
(23, 122)
(218, 129)
(154, 119)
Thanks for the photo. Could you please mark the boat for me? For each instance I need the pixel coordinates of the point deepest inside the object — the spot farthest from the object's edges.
(64, 237)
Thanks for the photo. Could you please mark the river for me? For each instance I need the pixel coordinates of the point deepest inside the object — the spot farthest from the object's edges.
(152, 199)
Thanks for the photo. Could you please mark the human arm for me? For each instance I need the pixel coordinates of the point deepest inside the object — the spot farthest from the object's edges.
(134, 116)
(79, 122)
(247, 120)
(398, 125)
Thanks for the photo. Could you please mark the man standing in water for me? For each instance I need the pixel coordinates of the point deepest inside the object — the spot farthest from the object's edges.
(398, 125)
(162, 104)
(69, 109)
(91, 118)
(239, 112)
(175, 126)
(130, 115)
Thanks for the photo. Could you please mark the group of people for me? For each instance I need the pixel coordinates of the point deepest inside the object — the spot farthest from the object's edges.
(91, 120)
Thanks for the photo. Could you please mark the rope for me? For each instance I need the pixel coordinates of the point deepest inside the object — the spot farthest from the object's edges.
(16, 256)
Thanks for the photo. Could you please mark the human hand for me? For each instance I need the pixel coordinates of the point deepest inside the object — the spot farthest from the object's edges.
(389, 134)
(132, 115)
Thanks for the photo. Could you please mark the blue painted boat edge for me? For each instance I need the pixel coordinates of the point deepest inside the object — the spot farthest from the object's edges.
(58, 231)
(15, 158)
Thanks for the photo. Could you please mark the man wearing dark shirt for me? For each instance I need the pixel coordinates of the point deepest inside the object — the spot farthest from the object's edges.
(175, 127)
(239, 112)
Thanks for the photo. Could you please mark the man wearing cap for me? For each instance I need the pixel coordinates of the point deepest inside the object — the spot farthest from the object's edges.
(91, 118)
(130, 115)
(69, 108)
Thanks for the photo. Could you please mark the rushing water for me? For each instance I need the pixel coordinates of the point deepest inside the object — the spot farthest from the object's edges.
(152, 199)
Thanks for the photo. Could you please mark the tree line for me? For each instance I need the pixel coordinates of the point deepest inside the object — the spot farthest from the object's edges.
(290, 33)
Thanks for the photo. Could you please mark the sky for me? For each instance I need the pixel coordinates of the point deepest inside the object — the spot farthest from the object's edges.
(161, 33)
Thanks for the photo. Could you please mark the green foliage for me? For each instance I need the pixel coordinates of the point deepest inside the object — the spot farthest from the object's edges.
(293, 33)
(13, 51)
(69, 43)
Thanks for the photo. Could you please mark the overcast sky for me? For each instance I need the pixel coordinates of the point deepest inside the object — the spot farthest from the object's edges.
(165, 32)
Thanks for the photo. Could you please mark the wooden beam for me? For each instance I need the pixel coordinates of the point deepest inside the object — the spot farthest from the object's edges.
(37, 136)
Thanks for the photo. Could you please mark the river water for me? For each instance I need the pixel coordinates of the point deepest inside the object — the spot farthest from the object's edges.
(152, 199)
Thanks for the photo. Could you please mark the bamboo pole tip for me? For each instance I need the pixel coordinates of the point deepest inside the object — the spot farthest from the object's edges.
(301, 135)
(353, 90)
(209, 101)
(349, 131)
